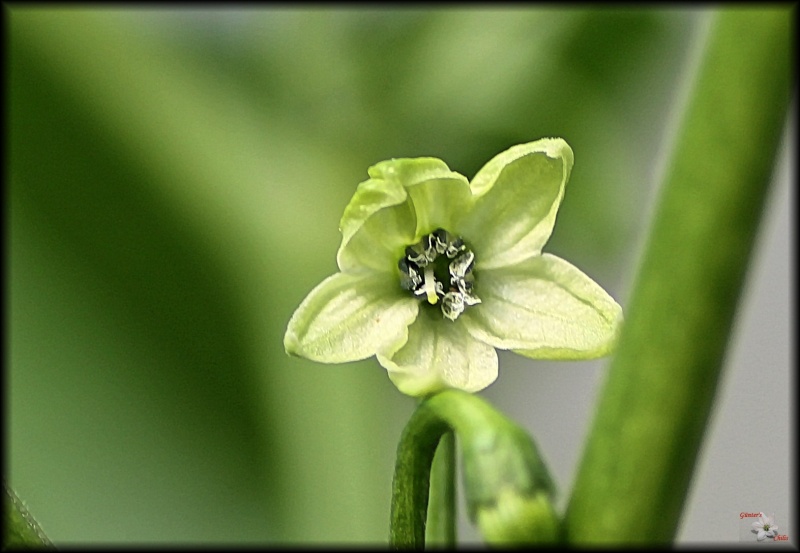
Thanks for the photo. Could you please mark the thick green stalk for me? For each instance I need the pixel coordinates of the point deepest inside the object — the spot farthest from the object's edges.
(637, 466)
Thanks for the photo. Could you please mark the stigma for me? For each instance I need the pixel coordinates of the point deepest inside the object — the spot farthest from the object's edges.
(430, 284)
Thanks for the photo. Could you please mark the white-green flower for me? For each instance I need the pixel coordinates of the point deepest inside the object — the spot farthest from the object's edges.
(436, 272)
(765, 527)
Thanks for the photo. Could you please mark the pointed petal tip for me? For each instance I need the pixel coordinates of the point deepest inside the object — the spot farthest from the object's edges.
(290, 344)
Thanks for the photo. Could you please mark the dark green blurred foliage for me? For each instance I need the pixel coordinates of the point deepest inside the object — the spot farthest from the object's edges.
(175, 184)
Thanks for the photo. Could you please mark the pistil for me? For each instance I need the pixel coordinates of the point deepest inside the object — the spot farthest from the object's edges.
(430, 285)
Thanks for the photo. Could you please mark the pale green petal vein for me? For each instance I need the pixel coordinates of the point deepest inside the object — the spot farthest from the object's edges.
(439, 196)
(518, 194)
(440, 354)
(544, 308)
(376, 226)
(350, 317)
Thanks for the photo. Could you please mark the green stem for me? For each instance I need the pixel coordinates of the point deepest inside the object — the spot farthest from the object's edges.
(441, 527)
(410, 486)
(21, 530)
(637, 466)
(507, 487)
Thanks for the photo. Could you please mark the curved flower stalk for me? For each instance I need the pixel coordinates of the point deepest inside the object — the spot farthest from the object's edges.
(436, 272)
(507, 487)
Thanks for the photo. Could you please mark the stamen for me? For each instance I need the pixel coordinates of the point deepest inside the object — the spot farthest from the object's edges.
(462, 265)
(452, 305)
(419, 268)
(431, 248)
(409, 275)
(416, 255)
(439, 240)
(454, 247)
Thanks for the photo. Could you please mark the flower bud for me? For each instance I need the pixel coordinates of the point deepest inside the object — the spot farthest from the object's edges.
(517, 518)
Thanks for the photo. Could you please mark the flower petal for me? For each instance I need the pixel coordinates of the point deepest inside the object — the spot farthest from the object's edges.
(544, 308)
(350, 317)
(761, 535)
(376, 226)
(440, 354)
(439, 195)
(519, 192)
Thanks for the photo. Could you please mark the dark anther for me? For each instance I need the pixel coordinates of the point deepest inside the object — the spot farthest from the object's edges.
(418, 274)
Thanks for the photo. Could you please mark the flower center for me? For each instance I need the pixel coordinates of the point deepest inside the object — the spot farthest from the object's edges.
(437, 259)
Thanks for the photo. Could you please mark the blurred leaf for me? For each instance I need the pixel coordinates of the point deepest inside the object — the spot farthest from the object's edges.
(160, 245)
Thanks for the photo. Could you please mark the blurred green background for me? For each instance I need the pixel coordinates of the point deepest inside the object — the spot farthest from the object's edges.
(176, 179)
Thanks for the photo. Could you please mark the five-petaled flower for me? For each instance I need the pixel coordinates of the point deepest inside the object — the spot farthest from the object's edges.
(765, 527)
(436, 272)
